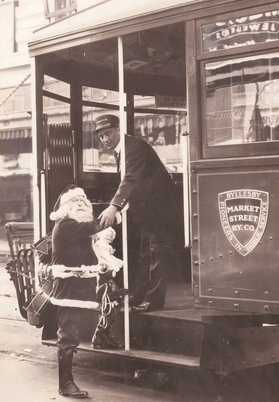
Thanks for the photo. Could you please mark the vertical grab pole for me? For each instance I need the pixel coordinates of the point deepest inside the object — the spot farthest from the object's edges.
(186, 184)
(123, 126)
(43, 201)
(35, 178)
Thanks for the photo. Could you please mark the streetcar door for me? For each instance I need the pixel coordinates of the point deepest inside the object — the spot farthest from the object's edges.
(58, 146)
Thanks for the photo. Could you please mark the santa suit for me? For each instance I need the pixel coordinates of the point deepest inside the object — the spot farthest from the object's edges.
(71, 248)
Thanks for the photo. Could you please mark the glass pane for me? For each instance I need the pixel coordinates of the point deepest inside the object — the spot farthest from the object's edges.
(160, 102)
(57, 112)
(100, 95)
(55, 86)
(242, 100)
(241, 31)
(163, 133)
(96, 157)
(154, 78)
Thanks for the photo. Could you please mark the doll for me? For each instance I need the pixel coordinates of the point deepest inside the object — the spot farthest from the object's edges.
(104, 251)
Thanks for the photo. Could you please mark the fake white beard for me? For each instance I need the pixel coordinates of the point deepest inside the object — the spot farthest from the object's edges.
(81, 216)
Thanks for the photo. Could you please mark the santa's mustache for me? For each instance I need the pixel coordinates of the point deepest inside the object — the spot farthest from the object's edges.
(82, 215)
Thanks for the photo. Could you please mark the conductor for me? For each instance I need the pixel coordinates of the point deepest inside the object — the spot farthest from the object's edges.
(149, 191)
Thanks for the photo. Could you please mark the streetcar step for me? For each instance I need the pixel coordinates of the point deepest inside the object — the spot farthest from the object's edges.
(140, 355)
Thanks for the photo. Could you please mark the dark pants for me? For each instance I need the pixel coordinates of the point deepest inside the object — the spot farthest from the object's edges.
(69, 323)
(150, 279)
(155, 223)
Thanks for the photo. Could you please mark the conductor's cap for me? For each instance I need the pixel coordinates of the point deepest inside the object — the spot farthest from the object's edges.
(106, 121)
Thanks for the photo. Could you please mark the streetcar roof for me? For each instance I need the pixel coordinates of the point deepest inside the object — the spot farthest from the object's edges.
(104, 20)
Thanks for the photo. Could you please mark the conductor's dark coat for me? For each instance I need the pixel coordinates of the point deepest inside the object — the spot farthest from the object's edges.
(148, 188)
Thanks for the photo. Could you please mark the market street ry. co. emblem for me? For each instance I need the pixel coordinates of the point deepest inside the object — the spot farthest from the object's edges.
(243, 215)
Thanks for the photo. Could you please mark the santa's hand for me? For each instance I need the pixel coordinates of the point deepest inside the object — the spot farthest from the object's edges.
(108, 216)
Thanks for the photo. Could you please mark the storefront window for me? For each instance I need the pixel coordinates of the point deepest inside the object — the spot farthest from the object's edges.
(242, 100)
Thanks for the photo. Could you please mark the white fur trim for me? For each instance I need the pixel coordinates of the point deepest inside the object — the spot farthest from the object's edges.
(84, 272)
(75, 303)
(75, 192)
(61, 213)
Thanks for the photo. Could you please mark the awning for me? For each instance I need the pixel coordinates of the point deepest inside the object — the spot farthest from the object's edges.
(104, 20)
(15, 134)
(16, 141)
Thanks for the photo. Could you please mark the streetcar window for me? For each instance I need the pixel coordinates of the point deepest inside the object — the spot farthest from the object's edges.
(56, 86)
(242, 100)
(164, 133)
(104, 96)
(96, 158)
(261, 27)
(57, 112)
(155, 86)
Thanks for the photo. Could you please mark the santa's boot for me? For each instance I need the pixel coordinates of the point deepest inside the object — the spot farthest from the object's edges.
(101, 338)
(67, 387)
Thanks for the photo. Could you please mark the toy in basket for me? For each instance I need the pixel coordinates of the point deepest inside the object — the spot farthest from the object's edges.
(37, 304)
(43, 249)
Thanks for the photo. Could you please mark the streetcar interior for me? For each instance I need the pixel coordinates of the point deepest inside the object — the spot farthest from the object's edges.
(155, 89)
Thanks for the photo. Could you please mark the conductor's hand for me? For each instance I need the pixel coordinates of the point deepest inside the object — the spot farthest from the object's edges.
(107, 217)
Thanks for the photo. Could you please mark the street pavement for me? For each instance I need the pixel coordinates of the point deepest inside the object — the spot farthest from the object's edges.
(4, 247)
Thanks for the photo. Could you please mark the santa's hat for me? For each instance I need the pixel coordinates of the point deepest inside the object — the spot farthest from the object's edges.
(60, 207)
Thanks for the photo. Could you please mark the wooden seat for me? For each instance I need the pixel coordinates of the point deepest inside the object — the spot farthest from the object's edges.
(20, 236)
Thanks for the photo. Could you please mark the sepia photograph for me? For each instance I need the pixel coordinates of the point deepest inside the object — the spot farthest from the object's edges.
(139, 193)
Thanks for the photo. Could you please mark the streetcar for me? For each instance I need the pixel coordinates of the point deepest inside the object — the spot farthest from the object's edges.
(199, 81)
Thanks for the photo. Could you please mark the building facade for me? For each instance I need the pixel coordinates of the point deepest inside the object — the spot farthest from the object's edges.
(18, 20)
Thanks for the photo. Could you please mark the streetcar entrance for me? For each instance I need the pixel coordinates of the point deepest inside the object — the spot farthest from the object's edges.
(84, 82)
(141, 78)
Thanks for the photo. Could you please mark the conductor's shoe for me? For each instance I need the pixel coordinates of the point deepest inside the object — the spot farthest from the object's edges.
(71, 390)
(132, 301)
(145, 307)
